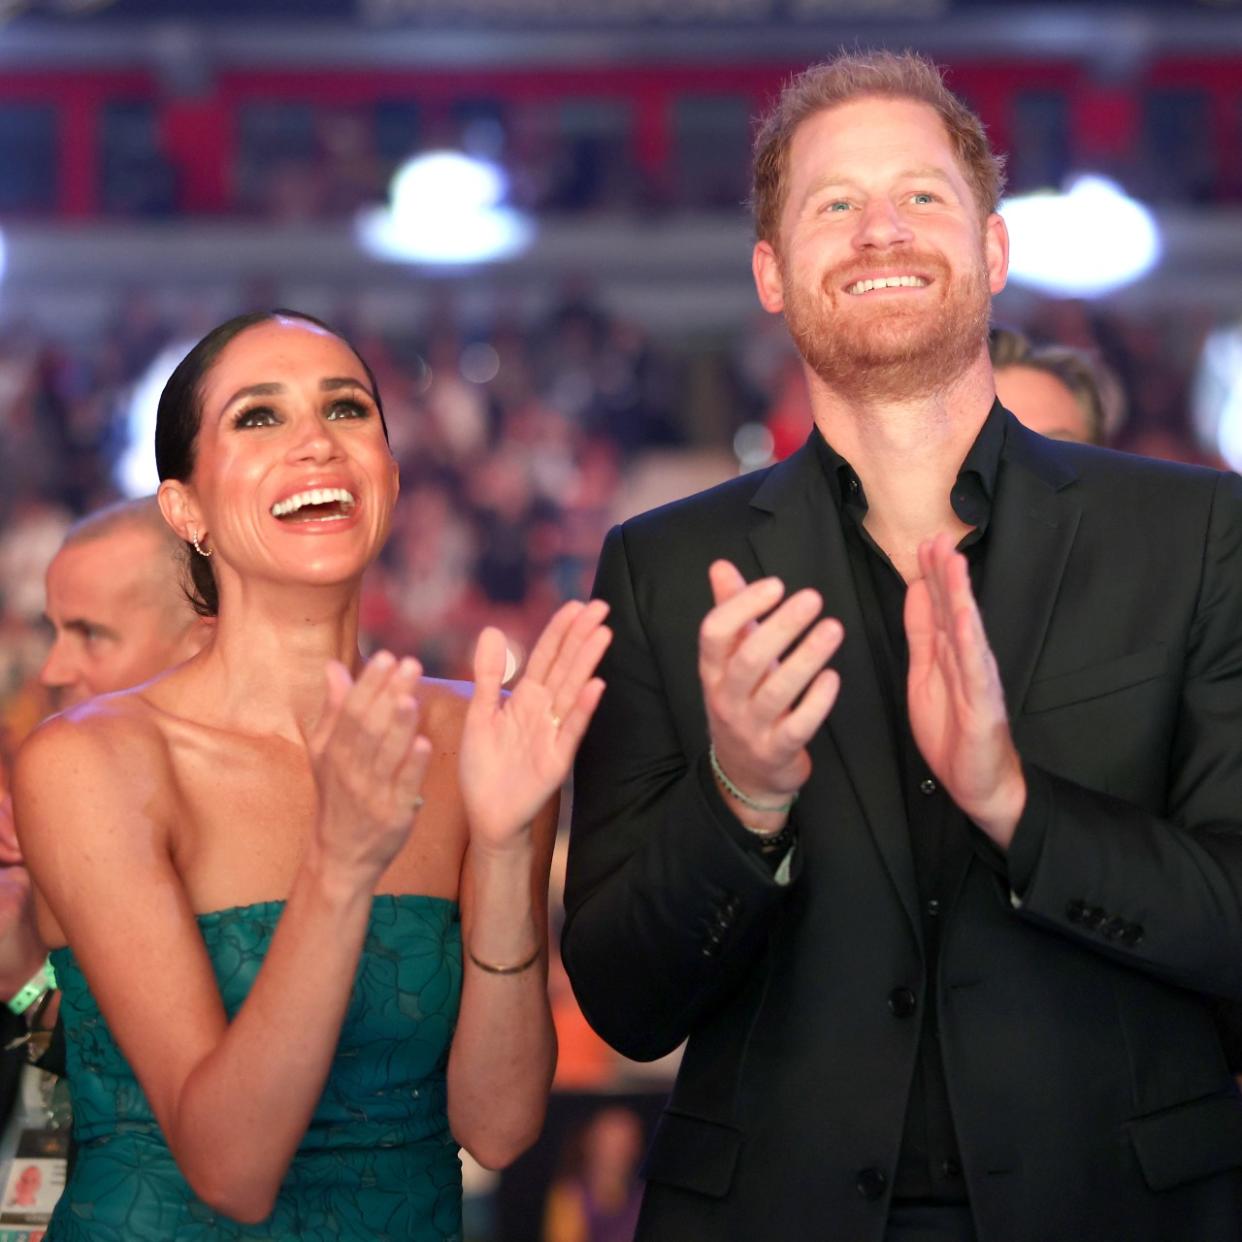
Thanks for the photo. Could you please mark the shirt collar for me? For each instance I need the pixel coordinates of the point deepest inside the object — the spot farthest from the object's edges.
(973, 489)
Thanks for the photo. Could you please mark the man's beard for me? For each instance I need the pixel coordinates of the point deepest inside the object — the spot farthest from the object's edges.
(896, 351)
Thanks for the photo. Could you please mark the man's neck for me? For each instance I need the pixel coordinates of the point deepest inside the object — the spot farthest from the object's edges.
(907, 454)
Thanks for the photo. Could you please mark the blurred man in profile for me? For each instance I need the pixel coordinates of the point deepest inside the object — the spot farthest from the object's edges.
(116, 604)
(1059, 392)
(119, 617)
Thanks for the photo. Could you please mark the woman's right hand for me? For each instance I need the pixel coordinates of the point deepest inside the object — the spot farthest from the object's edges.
(369, 762)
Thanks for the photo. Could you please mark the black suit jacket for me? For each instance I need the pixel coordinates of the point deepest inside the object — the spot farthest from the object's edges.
(1089, 1088)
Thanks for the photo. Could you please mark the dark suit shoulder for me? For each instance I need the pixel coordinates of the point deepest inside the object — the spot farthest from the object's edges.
(1120, 478)
(704, 512)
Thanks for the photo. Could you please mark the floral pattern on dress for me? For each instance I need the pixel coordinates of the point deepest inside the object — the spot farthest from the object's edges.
(377, 1164)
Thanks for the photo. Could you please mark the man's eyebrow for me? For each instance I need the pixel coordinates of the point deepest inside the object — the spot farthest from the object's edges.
(84, 625)
(832, 180)
(925, 171)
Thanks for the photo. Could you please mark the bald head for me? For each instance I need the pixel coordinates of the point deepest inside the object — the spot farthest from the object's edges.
(117, 604)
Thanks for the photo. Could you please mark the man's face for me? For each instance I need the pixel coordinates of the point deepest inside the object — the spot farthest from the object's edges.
(1043, 403)
(875, 194)
(112, 602)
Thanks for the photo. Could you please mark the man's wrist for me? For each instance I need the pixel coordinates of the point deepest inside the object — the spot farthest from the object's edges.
(763, 814)
(1000, 820)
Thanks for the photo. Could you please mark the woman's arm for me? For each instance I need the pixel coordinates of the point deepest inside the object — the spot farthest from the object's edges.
(94, 801)
(515, 754)
(504, 1048)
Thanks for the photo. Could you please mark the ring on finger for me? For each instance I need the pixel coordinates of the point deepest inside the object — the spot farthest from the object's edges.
(554, 718)
(417, 804)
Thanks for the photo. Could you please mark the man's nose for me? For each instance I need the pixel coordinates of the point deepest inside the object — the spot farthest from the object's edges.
(880, 224)
(58, 669)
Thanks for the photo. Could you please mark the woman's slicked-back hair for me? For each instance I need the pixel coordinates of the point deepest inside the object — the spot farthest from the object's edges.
(179, 417)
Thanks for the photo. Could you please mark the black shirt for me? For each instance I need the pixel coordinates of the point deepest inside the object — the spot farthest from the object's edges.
(929, 1167)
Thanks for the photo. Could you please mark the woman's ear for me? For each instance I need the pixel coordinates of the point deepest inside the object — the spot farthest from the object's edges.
(176, 503)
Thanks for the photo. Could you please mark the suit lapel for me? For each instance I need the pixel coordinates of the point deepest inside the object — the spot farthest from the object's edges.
(800, 541)
(1034, 519)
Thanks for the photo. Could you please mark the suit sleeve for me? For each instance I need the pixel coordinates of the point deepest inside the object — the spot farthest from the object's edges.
(1163, 893)
(668, 905)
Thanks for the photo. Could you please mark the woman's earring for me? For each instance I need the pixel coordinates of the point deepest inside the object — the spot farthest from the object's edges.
(198, 547)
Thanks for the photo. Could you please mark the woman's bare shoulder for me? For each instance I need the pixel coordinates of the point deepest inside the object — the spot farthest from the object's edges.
(444, 705)
(105, 741)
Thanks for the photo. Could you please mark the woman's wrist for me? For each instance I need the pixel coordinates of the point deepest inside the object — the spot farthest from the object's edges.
(336, 884)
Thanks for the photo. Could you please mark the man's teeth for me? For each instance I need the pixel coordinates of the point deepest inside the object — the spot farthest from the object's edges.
(315, 496)
(887, 282)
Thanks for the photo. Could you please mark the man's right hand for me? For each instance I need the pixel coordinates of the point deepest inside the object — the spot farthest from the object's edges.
(765, 697)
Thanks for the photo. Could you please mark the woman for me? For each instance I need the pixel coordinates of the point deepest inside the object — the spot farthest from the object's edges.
(272, 889)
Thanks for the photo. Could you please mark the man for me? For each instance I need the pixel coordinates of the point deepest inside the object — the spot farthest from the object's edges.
(1060, 392)
(959, 988)
(119, 617)
(116, 604)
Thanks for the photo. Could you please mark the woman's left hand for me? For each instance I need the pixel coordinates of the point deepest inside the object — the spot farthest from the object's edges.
(516, 750)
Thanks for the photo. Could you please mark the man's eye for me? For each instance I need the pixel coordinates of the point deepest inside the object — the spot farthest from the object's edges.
(255, 416)
(348, 409)
(923, 197)
(837, 206)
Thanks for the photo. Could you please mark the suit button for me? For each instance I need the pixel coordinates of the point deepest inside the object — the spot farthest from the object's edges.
(950, 1169)
(1131, 934)
(871, 1183)
(1114, 927)
(901, 1002)
(1093, 916)
(927, 785)
(733, 905)
(933, 906)
(1075, 911)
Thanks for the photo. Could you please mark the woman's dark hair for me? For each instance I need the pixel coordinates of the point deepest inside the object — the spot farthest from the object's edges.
(180, 414)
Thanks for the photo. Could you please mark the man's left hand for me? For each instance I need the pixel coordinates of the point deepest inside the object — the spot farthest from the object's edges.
(956, 701)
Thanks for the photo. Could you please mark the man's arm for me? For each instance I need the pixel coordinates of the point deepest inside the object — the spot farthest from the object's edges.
(669, 896)
(1162, 893)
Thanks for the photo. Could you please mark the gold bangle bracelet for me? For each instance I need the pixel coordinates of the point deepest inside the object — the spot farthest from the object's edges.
(506, 970)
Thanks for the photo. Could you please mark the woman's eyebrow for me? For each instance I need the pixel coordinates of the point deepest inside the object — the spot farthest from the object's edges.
(253, 390)
(342, 381)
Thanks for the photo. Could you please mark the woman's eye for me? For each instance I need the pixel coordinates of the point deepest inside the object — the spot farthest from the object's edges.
(256, 416)
(347, 409)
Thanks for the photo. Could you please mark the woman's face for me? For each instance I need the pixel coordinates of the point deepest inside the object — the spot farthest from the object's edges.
(292, 478)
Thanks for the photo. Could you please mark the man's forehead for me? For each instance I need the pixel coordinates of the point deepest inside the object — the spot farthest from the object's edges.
(871, 130)
(111, 566)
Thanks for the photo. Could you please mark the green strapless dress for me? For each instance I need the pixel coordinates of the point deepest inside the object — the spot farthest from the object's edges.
(378, 1161)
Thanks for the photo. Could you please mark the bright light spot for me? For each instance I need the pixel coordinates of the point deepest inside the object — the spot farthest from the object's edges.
(752, 445)
(514, 655)
(480, 363)
(4, 254)
(135, 472)
(444, 207)
(1217, 398)
(1088, 241)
